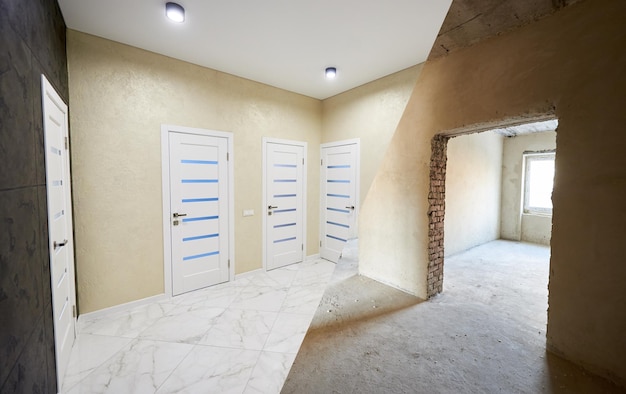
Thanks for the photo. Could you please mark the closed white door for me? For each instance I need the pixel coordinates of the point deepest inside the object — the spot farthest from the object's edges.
(284, 202)
(199, 211)
(339, 197)
(60, 233)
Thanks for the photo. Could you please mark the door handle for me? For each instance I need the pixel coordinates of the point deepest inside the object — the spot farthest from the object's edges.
(271, 207)
(350, 207)
(60, 244)
(177, 215)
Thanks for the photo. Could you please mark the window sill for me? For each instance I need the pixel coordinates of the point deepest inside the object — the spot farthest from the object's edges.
(539, 214)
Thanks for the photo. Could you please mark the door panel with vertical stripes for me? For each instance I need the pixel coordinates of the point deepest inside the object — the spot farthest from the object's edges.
(339, 188)
(199, 211)
(285, 211)
(60, 230)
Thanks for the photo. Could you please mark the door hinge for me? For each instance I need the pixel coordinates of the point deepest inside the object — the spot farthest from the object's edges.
(303, 161)
(302, 247)
(320, 244)
(229, 263)
(74, 311)
(321, 162)
(66, 144)
(227, 156)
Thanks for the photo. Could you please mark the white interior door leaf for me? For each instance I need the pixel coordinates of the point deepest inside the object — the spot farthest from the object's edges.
(60, 233)
(339, 198)
(199, 211)
(285, 208)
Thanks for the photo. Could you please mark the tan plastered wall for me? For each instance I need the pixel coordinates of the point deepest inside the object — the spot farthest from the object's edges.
(371, 113)
(515, 225)
(570, 65)
(473, 179)
(120, 96)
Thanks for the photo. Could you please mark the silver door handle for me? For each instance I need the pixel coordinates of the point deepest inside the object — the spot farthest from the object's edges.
(177, 215)
(271, 207)
(350, 207)
(60, 244)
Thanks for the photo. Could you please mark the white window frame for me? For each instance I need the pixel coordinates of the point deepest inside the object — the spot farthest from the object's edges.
(527, 158)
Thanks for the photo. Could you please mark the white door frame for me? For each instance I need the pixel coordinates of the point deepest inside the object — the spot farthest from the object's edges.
(48, 92)
(165, 188)
(357, 177)
(303, 144)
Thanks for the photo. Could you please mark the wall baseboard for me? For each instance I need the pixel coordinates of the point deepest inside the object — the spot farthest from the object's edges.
(248, 273)
(312, 257)
(99, 314)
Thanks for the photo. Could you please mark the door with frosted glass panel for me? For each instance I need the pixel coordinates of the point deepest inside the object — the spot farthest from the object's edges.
(284, 175)
(338, 196)
(199, 211)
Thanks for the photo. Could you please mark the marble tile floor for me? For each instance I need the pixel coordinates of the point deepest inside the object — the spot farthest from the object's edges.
(237, 337)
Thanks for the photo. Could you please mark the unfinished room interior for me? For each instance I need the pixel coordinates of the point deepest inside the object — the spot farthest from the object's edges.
(312, 197)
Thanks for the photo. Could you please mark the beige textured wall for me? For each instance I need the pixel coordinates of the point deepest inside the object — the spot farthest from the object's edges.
(473, 180)
(515, 226)
(370, 112)
(570, 64)
(119, 98)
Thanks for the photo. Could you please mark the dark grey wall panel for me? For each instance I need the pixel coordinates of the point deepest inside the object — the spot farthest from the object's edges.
(32, 42)
(30, 374)
(16, 140)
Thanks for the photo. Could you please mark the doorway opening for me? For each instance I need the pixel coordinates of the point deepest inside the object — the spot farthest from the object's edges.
(485, 182)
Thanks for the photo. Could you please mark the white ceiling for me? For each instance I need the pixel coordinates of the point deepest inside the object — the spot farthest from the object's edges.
(282, 43)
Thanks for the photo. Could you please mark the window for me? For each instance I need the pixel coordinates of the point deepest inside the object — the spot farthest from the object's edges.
(538, 182)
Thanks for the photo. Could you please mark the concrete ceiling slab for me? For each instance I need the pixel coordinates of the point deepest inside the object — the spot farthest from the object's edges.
(528, 128)
(470, 21)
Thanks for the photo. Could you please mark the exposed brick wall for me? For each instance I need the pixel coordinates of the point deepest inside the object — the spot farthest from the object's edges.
(436, 210)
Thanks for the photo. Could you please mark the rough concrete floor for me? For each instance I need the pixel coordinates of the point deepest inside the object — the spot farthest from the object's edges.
(484, 334)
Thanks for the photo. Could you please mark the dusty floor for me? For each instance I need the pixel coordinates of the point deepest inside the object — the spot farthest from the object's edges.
(484, 334)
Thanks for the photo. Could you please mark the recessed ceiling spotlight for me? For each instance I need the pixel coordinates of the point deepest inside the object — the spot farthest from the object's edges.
(331, 72)
(175, 12)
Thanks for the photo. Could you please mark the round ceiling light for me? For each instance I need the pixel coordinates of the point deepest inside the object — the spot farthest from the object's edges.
(331, 72)
(175, 12)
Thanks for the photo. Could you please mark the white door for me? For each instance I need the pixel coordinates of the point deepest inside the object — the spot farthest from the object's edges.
(339, 189)
(60, 233)
(199, 211)
(285, 199)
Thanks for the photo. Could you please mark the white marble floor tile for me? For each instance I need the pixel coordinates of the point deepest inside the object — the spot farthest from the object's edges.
(244, 280)
(278, 278)
(260, 298)
(209, 369)
(292, 267)
(316, 263)
(240, 328)
(270, 372)
(302, 300)
(238, 336)
(184, 324)
(127, 324)
(288, 332)
(318, 274)
(140, 367)
(88, 353)
(220, 296)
